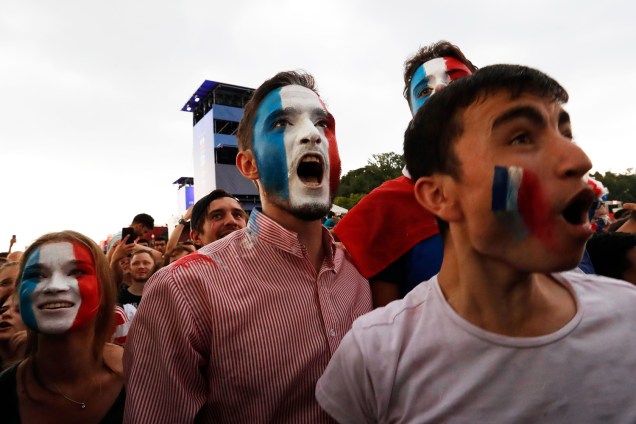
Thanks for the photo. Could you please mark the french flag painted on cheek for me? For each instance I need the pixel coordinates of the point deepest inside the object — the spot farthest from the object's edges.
(517, 191)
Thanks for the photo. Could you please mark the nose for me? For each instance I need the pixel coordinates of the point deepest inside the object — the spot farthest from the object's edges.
(57, 283)
(572, 162)
(309, 133)
(439, 87)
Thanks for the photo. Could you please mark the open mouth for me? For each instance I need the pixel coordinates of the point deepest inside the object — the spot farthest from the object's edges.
(310, 170)
(576, 211)
(56, 305)
(4, 325)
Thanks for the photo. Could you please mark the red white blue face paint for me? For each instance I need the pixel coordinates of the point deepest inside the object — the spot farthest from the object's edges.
(433, 76)
(295, 148)
(518, 200)
(59, 289)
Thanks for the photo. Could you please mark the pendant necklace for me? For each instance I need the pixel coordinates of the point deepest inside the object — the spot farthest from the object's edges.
(82, 405)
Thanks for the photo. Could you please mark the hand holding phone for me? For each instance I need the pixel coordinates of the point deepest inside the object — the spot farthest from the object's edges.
(130, 232)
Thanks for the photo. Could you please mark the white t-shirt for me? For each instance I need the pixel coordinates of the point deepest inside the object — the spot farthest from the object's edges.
(418, 361)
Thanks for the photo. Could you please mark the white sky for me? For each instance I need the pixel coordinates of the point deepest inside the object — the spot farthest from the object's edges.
(91, 130)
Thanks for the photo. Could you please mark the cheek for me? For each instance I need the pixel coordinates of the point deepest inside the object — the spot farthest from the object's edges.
(334, 162)
(26, 304)
(89, 293)
(271, 160)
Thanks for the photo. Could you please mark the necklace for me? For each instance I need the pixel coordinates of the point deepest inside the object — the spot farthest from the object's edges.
(82, 405)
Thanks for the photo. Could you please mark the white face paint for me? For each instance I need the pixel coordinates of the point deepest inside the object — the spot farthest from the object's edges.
(306, 144)
(50, 292)
(292, 134)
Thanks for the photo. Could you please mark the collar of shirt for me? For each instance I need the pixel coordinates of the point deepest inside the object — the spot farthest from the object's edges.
(269, 231)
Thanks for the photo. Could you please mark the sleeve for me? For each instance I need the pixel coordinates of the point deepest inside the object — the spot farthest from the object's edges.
(345, 390)
(164, 355)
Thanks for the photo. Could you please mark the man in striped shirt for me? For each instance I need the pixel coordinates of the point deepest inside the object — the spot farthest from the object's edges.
(241, 330)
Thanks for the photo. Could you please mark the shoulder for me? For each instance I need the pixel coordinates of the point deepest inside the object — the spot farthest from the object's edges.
(601, 293)
(113, 356)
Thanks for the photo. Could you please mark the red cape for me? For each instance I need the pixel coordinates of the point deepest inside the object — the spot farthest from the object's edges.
(384, 225)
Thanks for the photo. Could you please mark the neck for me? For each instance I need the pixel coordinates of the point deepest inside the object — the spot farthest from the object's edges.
(309, 232)
(498, 298)
(136, 287)
(7, 353)
(76, 349)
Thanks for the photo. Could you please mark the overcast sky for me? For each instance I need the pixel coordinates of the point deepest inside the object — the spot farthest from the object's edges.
(91, 92)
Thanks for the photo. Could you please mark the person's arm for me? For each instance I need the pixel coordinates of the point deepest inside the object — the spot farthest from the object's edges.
(118, 252)
(173, 240)
(166, 354)
(345, 390)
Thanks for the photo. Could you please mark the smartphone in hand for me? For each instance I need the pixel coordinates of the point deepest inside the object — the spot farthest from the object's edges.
(128, 231)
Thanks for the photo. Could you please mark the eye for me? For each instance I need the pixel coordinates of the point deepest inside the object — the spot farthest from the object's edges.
(77, 272)
(216, 216)
(281, 123)
(521, 138)
(322, 123)
(424, 92)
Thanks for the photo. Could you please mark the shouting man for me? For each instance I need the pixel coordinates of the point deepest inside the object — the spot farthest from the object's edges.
(256, 316)
(501, 334)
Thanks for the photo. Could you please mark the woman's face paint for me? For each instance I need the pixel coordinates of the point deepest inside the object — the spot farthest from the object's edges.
(433, 76)
(520, 203)
(296, 150)
(59, 288)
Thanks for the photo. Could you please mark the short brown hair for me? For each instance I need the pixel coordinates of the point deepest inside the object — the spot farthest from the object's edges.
(245, 132)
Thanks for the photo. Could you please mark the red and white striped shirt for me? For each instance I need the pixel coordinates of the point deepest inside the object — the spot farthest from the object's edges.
(241, 331)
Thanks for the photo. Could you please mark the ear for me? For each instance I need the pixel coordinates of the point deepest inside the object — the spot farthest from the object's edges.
(436, 194)
(194, 236)
(246, 164)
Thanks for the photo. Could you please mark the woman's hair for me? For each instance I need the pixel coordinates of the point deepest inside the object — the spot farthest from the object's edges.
(107, 290)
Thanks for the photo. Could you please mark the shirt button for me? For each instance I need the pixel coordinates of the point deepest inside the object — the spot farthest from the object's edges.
(332, 333)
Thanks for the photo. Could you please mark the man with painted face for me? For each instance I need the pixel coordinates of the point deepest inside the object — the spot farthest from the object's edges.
(255, 316)
(396, 261)
(502, 334)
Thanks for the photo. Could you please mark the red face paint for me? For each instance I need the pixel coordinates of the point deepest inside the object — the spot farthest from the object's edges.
(88, 285)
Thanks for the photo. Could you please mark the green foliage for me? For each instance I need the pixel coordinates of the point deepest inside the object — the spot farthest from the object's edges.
(621, 186)
(349, 201)
(380, 168)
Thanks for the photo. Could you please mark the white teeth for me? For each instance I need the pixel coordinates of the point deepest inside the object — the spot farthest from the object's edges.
(311, 159)
(56, 305)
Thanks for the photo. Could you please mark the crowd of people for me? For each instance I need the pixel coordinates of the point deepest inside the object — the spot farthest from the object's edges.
(500, 281)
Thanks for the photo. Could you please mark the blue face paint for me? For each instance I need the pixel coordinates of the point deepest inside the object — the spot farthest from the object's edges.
(269, 146)
(30, 279)
(418, 84)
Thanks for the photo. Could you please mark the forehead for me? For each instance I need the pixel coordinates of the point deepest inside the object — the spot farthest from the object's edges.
(226, 203)
(141, 256)
(482, 114)
(55, 253)
(290, 96)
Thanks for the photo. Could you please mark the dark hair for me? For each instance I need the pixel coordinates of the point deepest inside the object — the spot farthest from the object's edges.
(430, 136)
(161, 238)
(145, 220)
(201, 206)
(440, 49)
(281, 79)
(608, 252)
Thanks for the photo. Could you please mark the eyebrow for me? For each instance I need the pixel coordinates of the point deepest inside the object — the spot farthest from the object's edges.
(289, 111)
(527, 112)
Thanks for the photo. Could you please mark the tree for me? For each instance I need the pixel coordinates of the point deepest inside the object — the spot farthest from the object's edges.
(359, 182)
(621, 186)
